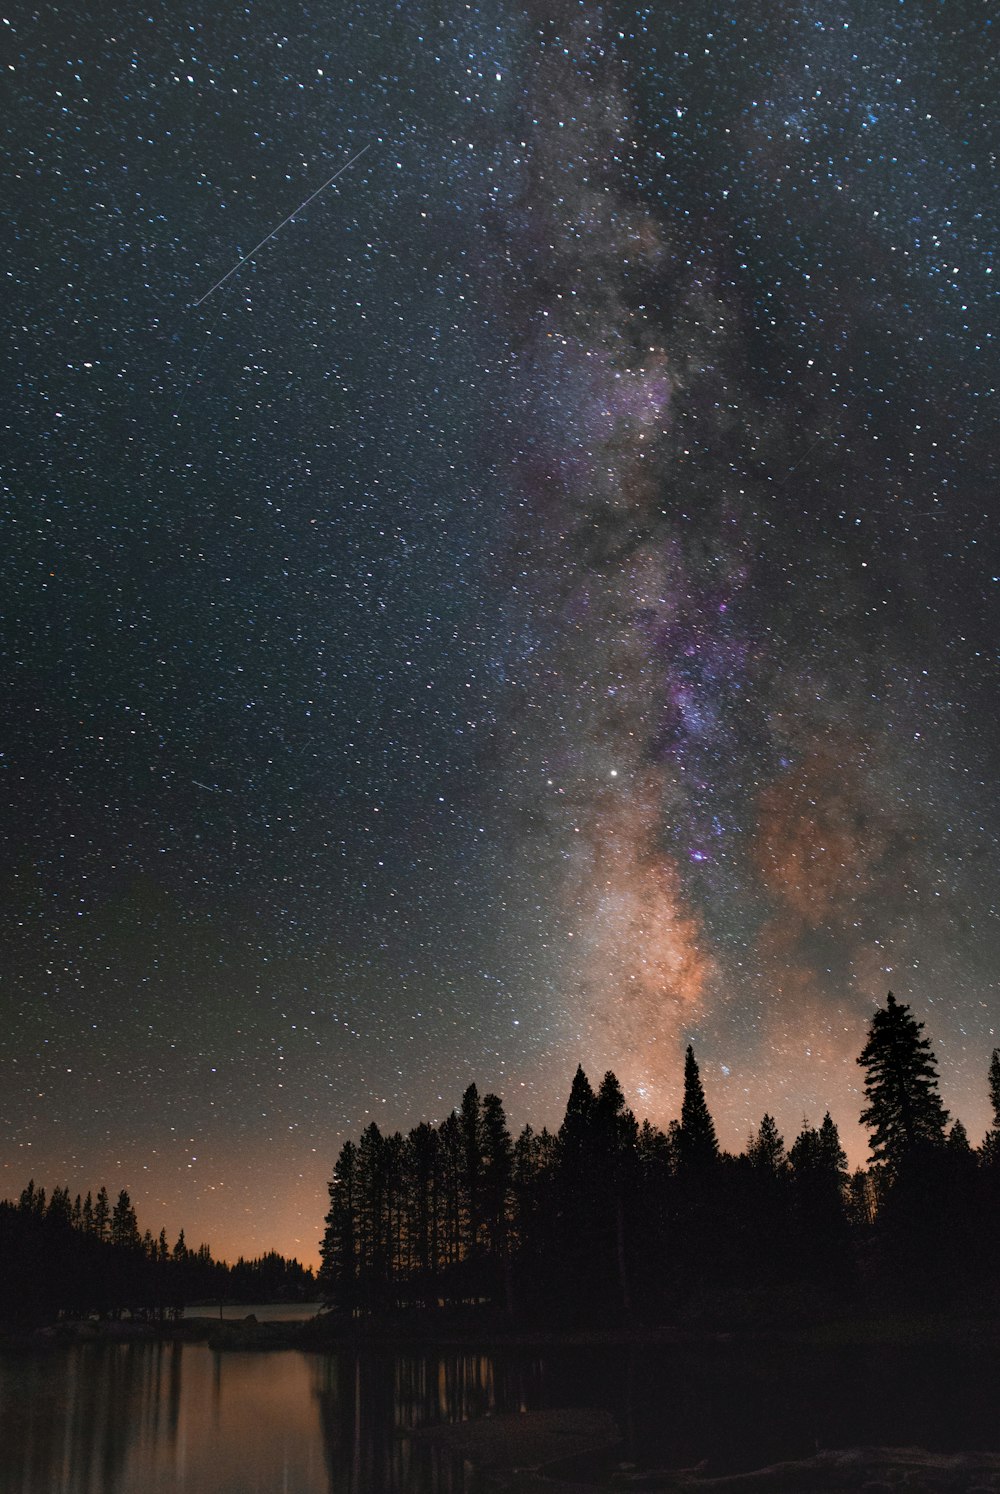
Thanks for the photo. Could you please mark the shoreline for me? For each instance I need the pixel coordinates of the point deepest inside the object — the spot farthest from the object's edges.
(321, 1334)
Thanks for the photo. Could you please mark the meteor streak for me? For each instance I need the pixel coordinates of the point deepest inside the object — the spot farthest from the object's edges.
(267, 237)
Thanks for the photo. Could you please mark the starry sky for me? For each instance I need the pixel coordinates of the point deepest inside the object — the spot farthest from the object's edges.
(542, 608)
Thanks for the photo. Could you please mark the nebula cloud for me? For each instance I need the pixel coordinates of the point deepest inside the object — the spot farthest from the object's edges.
(697, 742)
(633, 656)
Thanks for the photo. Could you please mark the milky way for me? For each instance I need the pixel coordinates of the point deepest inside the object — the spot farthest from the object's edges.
(707, 758)
(542, 609)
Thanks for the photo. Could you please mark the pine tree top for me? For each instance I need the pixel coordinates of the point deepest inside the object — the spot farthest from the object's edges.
(697, 1139)
(904, 1107)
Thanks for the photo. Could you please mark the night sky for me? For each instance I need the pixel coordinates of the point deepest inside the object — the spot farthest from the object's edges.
(543, 609)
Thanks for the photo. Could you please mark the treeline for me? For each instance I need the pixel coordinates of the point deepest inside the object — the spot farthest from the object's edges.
(80, 1257)
(609, 1219)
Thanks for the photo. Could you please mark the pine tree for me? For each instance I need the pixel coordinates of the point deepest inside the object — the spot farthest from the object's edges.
(533, 1169)
(579, 1209)
(396, 1203)
(766, 1149)
(32, 1199)
(991, 1141)
(862, 1197)
(425, 1185)
(124, 1225)
(818, 1201)
(373, 1225)
(616, 1134)
(834, 1158)
(819, 1154)
(450, 1153)
(654, 1150)
(470, 1120)
(575, 1131)
(904, 1109)
(805, 1154)
(498, 1162)
(498, 1156)
(102, 1214)
(697, 1143)
(60, 1208)
(338, 1274)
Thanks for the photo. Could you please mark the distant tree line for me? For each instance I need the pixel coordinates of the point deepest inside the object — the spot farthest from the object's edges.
(609, 1219)
(74, 1258)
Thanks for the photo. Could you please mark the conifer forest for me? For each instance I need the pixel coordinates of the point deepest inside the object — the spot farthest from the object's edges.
(607, 1221)
(613, 1220)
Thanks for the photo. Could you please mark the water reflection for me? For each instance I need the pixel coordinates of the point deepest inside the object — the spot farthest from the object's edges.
(145, 1417)
(368, 1403)
(159, 1418)
(183, 1419)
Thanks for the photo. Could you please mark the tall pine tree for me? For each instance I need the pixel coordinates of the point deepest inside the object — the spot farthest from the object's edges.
(991, 1141)
(696, 1139)
(338, 1274)
(904, 1110)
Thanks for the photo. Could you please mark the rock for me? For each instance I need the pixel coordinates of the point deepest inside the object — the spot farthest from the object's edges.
(869, 1470)
(528, 1442)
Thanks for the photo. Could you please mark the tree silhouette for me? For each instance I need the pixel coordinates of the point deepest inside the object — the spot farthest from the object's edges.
(60, 1206)
(425, 1184)
(833, 1158)
(32, 1200)
(904, 1110)
(451, 1149)
(338, 1274)
(819, 1204)
(374, 1241)
(470, 1120)
(579, 1202)
(819, 1154)
(534, 1170)
(576, 1129)
(696, 1139)
(102, 1214)
(766, 1149)
(616, 1135)
(498, 1160)
(991, 1141)
(124, 1225)
(609, 1218)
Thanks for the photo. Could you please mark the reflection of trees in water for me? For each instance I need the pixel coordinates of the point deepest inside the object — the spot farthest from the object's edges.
(368, 1402)
(72, 1416)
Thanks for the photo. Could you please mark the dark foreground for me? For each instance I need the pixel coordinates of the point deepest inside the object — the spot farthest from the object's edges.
(578, 1452)
(904, 1403)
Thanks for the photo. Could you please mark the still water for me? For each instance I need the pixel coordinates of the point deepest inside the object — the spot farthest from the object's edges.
(170, 1418)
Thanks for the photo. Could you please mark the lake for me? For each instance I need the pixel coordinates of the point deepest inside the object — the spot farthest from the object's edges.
(172, 1418)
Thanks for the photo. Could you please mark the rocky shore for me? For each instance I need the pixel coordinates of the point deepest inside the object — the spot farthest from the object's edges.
(577, 1452)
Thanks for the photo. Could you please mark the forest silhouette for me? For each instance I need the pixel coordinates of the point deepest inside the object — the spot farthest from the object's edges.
(79, 1258)
(606, 1222)
(609, 1221)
